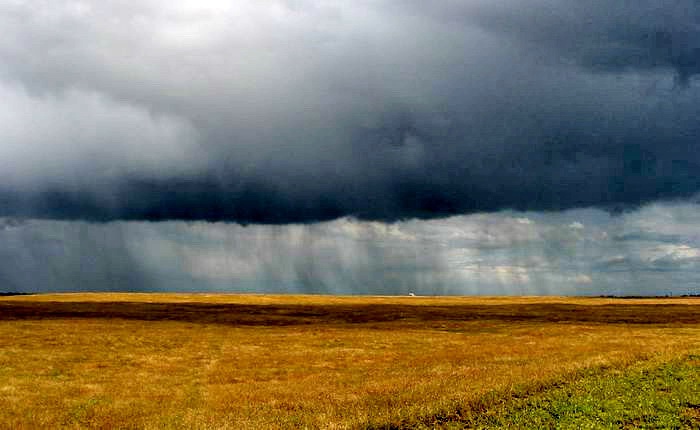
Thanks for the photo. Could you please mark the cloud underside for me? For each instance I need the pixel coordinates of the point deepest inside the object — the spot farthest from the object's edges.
(302, 111)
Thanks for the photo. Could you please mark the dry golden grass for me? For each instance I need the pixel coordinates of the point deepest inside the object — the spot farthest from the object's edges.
(231, 361)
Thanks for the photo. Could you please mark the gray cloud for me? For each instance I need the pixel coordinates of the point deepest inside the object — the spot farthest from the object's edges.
(9, 223)
(48, 256)
(576, 252)
(603, 36)
(301, 111)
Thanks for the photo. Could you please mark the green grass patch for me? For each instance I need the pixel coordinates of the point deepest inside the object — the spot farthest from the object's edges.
(663, 397)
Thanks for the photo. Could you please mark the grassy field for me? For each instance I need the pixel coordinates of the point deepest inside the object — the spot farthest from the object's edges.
(665, 396)
(233, 361)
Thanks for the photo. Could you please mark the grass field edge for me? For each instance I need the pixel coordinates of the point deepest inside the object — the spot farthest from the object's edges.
(466, 414)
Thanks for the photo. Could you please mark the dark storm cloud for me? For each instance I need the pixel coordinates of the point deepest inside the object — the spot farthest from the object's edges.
(10, 223)
(280, 111)
(40, 256)
(602, 35)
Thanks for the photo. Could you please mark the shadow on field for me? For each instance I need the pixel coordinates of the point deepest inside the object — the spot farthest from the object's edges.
(281, 315)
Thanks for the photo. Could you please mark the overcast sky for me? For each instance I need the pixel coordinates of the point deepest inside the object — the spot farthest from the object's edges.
(385, 146)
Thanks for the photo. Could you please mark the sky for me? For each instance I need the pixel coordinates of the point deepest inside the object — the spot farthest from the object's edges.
(366, 147)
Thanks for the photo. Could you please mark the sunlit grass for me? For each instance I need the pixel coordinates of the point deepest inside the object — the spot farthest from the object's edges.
(228, 361)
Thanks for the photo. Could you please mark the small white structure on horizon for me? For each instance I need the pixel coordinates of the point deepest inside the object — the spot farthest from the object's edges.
(412, 294)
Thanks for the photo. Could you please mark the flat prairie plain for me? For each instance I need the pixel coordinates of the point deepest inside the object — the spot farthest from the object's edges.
(207, 361)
